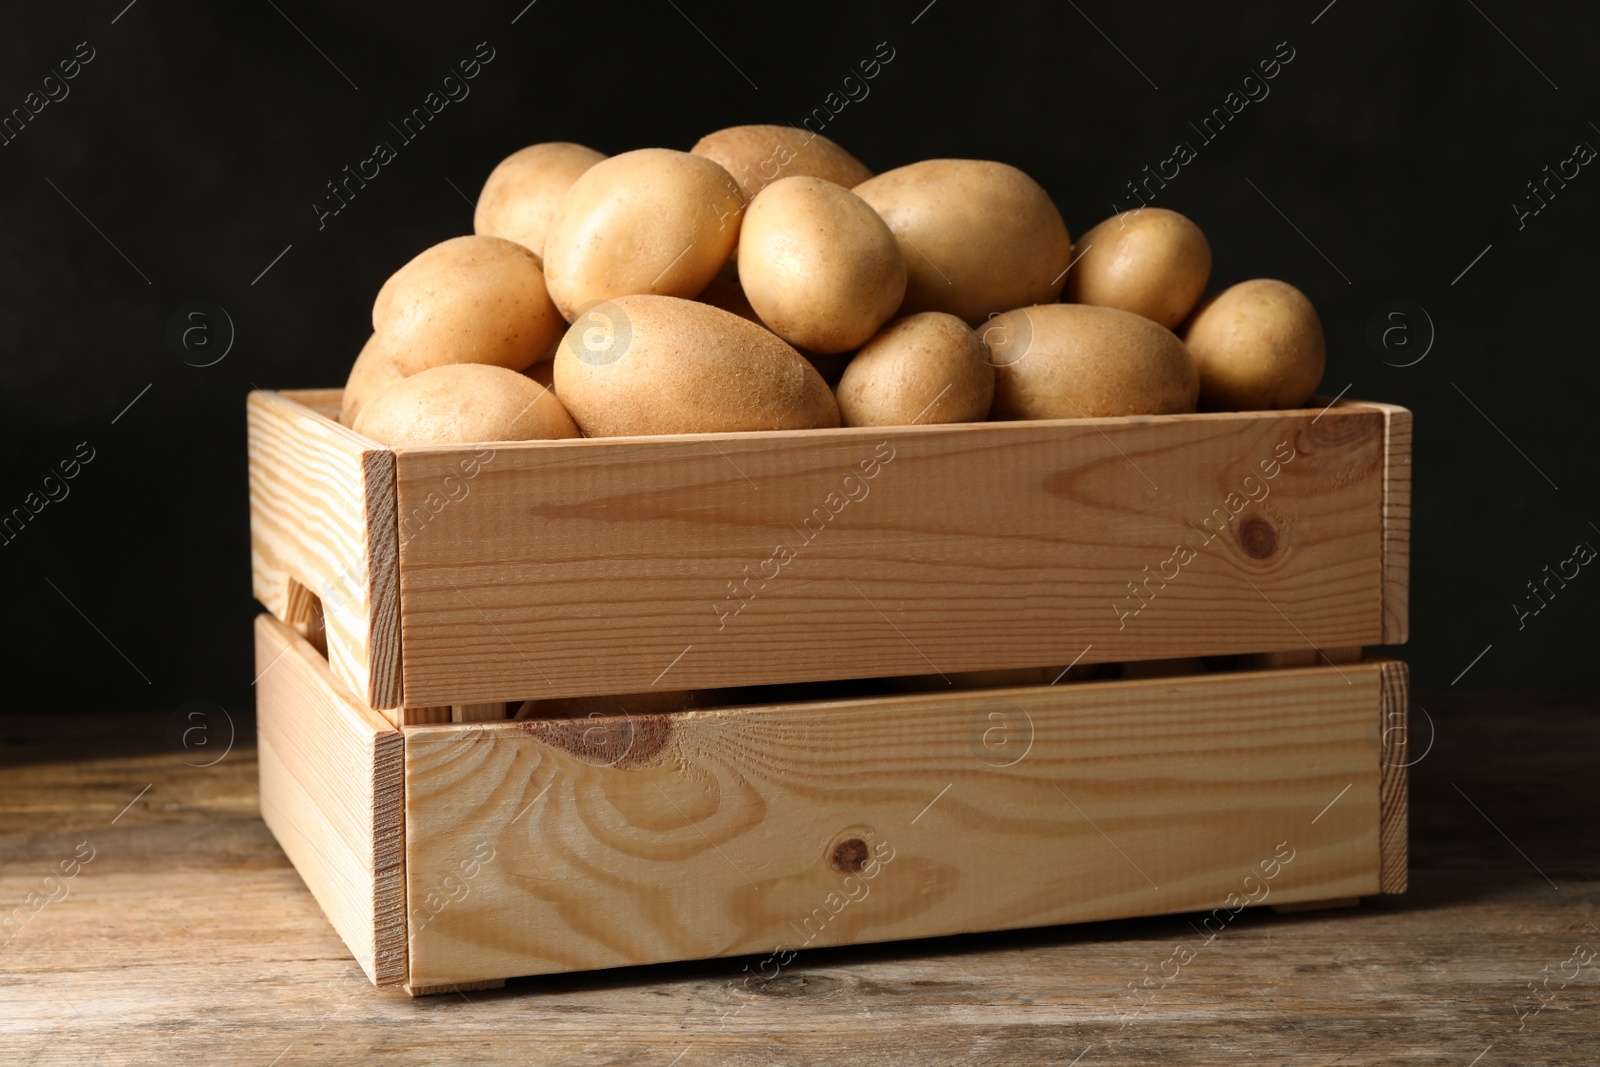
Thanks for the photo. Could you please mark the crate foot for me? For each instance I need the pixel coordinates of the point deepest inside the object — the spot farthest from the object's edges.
(1316, 905)
(452, 987)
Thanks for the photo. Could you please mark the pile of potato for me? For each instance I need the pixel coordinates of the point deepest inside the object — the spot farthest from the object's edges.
(766, 280)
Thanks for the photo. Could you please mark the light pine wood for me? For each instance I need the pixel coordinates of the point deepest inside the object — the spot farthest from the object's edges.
(322, 527)
(332, 793)
(1397, 526)
(192, 940)
(1394, 783)
(541, 846)
(587, 567)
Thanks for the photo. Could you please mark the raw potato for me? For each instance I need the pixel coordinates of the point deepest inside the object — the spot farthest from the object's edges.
(727, 293)
(543, 372)
(922, 369)
(1152, 262)
(757, 156)
(977, 237)
(655, 702)
(464, 402)
(659, 364)
(467, 300)
(373, 371)
(1259, 346)
(649, 221)
(819, 265)
(1073, 361)
(522, 193)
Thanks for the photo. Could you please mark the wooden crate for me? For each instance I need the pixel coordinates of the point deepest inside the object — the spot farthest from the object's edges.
(445, 582)
(458, 855)
(456, 576)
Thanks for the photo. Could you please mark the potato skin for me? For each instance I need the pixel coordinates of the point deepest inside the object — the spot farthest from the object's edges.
(1259, 346)
(373, 371)
(1072, 361)
(647, 364)
(648, 221)
(920, 370)
(464, 402)
(467, 300)
(521, 195)
(977, 237)
(819, 265)
(757, 156)
(1152, 262)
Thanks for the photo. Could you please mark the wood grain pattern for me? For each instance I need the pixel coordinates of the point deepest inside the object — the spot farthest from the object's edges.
(322, 525)
(1394, 783)
(586, 567)
(191, 940)
(1397, 526)
(331, 791)
(550, 845)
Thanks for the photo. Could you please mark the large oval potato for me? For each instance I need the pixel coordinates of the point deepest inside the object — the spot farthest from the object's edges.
(648, 221)
(1073, 361)
(819, 265)
(658, 365)
(920, 370)
(1259, 345)
(463, 402)
(373, 371)
(977, 237)
(467, 300)
(1152, 262)
(757, 156)
(521, 195)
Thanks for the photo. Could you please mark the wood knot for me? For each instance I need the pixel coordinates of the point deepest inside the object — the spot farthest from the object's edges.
(1258, 538)
(850, 855)
(606, 740)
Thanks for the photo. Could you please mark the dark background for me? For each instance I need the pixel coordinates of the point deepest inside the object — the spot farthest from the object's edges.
(194, 144)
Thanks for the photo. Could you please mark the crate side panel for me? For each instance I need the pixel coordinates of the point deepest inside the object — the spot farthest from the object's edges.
(569, 568)
(322, 522)
(547, 846)
(332, 794)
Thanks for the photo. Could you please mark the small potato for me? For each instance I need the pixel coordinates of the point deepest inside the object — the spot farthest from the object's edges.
(467, 300)
(522, 193)
(726, 292)
(648, 221)
(1074, 361)
(922, 369)
(1259, 346)
(1152, 262)
(462, 402)
(373, 371)
(543, 372)
(659, 364)
(757, 156)
(819, 265)
(977, 237)
(655, 702)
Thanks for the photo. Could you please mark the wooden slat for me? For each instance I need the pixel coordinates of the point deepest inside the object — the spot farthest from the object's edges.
(1397, 526)
(332, 793)
(587, 567)
(322, 524)
(1393, 795)
(544, 846)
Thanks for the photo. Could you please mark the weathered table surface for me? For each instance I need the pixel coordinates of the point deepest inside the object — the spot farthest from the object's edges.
(187, 937)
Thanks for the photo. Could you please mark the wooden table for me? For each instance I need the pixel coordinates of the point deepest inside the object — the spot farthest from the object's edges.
(187, 937)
